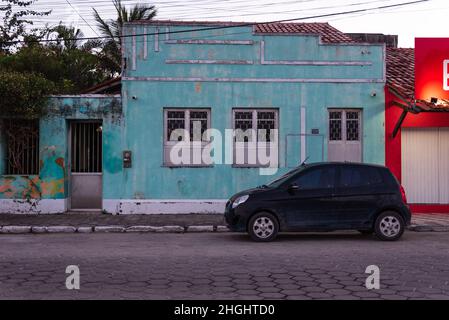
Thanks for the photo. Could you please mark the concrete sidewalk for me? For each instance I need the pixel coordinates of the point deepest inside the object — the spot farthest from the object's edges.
(438, 222)
(99, 222)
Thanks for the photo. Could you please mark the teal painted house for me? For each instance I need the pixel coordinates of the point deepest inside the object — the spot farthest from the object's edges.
(170, 143)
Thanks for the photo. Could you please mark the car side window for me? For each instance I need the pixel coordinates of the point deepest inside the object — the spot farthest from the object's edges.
(358, 176)
(319, 178)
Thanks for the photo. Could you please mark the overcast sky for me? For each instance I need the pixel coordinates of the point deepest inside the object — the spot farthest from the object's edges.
(427, 19)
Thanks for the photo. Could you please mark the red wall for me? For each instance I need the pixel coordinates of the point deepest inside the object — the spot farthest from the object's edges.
(393, 145)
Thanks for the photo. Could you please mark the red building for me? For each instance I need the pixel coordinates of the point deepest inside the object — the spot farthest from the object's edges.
(416, 136)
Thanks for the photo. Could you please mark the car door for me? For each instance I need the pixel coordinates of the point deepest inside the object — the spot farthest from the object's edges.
(357, 194)
(307, 201)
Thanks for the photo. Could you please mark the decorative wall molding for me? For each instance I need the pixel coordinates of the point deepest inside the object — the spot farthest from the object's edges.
(212, 42)
(173, 61)
(256, 80)
(307, 62)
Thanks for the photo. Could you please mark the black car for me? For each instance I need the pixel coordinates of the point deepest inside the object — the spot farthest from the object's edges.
(323, 197)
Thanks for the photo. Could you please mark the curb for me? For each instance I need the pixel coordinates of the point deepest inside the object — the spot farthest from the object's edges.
(428, 228)
(156, 229)
(111, 229)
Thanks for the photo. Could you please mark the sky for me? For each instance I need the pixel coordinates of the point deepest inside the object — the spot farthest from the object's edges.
(426, 19)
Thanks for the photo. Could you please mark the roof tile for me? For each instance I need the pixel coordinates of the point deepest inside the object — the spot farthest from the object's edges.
(401, 76)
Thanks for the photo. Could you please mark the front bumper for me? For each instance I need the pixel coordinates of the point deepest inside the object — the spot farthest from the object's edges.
(234, 218)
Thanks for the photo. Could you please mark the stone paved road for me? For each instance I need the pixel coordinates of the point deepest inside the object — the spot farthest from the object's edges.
(223, 266)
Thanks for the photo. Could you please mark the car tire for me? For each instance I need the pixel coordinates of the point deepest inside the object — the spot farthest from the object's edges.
(263, 227)
(389, 226)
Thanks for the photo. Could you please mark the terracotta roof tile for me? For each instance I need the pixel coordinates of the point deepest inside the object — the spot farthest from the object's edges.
(328, 33)
(401, 70)
(401, 76)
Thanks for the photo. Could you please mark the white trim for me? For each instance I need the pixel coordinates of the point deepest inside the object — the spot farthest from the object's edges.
(145, 44)
(173, 61)
(274, 80)
(320, 42)
(384, 62)
(42, 206)
(303, 134)
(134, 54)
(156, 41)
(212, 42)
(89, 95)
(308, 62)
(163, 206)
(167, 33)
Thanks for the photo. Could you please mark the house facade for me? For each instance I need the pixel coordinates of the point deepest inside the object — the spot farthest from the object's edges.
(417, 137)
(316, 94)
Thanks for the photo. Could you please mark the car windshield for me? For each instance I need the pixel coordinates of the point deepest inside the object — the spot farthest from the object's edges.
(276, 183)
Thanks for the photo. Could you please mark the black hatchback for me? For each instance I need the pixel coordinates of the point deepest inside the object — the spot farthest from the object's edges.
(323, 197)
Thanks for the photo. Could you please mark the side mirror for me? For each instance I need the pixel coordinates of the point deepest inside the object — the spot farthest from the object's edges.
(293, 188)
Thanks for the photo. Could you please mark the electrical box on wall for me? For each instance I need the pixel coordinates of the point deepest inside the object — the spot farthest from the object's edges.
(127, 159)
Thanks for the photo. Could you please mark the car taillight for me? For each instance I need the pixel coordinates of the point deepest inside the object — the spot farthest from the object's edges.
(404, 197)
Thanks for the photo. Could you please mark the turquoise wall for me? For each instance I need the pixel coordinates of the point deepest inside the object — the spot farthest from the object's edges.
(156, 84)
(52, 181)
(135, 121)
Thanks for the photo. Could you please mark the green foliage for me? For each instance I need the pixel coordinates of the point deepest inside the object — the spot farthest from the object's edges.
(16, 18)
(29, 72)
(71, 65)
(110, 54)
(24, 95)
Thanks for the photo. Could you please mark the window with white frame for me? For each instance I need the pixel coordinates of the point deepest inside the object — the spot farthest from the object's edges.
(185, 136)
(255, 137)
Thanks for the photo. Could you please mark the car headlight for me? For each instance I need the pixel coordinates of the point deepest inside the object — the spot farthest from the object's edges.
(239, 201)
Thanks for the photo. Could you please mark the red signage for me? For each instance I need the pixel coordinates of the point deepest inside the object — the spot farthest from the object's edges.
(432, 69)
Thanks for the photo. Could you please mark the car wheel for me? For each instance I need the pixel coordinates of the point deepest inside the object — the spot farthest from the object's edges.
(263, 227)
(389, 226)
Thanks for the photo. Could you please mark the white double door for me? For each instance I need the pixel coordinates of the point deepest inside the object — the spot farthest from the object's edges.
(345, 135)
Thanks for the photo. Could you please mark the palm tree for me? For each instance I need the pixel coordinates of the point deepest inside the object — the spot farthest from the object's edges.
(111, 48)
(66, 37)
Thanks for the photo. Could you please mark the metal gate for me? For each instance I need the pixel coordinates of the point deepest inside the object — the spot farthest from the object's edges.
(86, 166)
(345, 135)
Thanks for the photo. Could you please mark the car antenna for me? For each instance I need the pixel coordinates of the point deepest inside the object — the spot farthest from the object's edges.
(304, 162)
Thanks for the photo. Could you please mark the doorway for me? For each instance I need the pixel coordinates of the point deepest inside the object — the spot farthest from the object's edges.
(425, 168)
(86, 175)
(345, 135)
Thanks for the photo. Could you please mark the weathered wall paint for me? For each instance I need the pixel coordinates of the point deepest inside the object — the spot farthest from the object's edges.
(245, 70)
(156, 84)
(52, 181)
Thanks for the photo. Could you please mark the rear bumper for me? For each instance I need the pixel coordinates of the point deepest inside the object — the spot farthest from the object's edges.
(407, 213)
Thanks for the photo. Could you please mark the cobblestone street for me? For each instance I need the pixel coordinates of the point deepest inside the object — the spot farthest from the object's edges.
(223, 266)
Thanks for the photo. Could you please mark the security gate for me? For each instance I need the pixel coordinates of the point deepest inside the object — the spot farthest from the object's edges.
(86, 166)
(345, 135)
